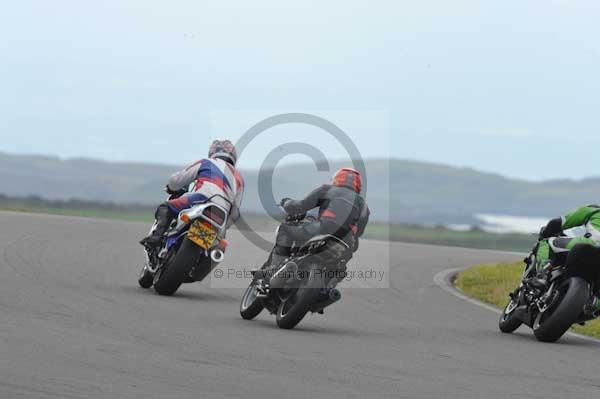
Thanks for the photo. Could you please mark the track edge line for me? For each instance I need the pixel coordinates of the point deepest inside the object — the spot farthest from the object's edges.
(444, 278)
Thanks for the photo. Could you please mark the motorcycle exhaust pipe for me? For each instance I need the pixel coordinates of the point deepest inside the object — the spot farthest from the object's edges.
(335, 295)
(217, 255)
(283, 275)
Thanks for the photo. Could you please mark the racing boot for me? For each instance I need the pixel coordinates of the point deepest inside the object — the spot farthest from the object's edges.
(263, 276)
(163, 217)
(278, 255)
(540, 281)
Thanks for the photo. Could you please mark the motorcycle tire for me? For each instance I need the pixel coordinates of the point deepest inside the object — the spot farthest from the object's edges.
(289, 314)
(178, 270)
(575, 293)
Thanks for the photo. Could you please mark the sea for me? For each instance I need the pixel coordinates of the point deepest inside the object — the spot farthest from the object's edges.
(510, 224)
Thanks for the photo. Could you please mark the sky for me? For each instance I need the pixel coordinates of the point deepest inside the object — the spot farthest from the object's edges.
(508, 87)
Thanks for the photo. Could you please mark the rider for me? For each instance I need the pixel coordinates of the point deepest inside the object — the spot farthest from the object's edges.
(215, 175)
(554, 249)
(343, 213)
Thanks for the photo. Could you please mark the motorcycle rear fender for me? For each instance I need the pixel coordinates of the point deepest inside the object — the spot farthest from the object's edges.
(173, 239)
(197, 212)
(327, 247)
(325, 238)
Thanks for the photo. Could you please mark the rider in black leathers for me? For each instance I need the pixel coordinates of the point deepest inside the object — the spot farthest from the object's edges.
(343, 213)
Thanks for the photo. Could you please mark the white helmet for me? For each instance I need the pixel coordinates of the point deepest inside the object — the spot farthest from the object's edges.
(223, 149)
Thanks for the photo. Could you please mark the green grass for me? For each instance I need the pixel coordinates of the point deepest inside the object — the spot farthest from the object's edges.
(492, 283)
(378, 231)
(128, 215)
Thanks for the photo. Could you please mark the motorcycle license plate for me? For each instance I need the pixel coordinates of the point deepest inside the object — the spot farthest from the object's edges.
(202, 234)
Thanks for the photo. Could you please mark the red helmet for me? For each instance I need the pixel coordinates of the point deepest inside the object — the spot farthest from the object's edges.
(348, 177)
(223, 149)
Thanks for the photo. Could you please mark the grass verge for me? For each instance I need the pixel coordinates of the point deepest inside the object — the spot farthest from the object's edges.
(376, 231)
(492, 283)
(379, 231)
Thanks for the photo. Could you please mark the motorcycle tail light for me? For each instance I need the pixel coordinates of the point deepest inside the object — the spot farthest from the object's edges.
(215, 214)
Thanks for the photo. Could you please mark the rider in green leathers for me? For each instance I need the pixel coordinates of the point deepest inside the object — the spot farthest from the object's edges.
(552, 246)
(554, 250)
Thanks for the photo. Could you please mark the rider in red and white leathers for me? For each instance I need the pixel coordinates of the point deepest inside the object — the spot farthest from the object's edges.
(213, 176)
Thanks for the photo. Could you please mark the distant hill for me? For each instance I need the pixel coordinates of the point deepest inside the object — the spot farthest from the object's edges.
(419, 192)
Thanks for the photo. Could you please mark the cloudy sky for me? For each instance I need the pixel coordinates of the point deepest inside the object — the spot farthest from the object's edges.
(510, 87)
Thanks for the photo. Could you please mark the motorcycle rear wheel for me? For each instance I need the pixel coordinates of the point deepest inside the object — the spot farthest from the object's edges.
(178, 269)
(549, 327)
(292, 311)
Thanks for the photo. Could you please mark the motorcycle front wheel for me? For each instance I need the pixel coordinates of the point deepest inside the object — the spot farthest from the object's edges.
(508, 323)
(145, 278)
(251, 305)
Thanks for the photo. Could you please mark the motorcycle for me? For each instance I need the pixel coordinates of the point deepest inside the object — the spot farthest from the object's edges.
(550, 300)
(304, 282)
(194, 244)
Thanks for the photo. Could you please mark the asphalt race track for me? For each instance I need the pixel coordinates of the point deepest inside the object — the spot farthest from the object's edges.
(75, 324)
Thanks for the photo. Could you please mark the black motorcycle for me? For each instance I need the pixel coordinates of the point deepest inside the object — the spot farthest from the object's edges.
(304, 282)
(551, 299)
(192, 247)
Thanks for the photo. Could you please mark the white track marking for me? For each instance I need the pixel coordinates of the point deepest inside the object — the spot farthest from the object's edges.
(443, 280)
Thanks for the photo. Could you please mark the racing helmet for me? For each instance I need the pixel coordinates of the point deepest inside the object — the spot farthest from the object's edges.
(223, 149)
(348, 177)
